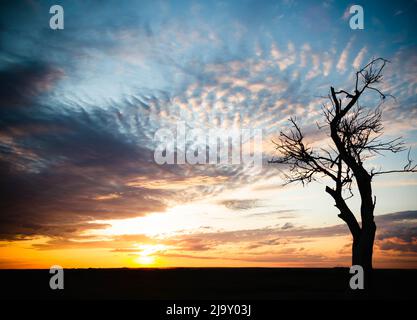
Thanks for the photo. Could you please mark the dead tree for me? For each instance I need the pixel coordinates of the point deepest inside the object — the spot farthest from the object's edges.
(355, 136)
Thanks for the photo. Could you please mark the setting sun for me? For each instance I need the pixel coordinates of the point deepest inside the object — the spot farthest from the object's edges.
(145, 260)
(148, 253)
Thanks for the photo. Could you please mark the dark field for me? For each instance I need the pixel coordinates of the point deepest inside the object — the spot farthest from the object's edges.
(205, 284)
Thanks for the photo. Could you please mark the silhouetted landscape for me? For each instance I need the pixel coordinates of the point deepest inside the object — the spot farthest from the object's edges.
(205, 284)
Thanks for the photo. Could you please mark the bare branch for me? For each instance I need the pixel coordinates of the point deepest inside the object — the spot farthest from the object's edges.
(409, 167)
(356, 133)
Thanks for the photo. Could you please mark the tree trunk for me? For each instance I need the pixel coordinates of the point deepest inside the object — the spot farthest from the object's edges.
(362, 251)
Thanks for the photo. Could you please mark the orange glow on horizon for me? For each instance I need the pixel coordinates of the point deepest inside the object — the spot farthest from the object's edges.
(320, 252)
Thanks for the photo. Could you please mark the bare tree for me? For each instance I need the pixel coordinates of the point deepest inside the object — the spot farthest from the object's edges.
(355, 134)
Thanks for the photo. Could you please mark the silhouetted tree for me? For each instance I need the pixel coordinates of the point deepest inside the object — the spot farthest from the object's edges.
(355, 137)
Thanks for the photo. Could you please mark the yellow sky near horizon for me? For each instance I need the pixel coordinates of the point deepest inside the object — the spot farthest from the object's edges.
(323, 252)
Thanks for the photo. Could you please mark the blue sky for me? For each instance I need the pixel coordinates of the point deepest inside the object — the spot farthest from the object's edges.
(80, 106)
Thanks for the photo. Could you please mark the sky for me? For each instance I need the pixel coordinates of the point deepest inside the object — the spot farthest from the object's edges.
(79, 109)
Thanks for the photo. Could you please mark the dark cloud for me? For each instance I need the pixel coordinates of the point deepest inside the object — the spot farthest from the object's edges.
(58, 167)
(268, 242)
(21, 83)
(287, 226)
(399, 246)
(265, 233)
(119, 243)
(404, 232)
(193, 243)
(397, 216)
(395, 231)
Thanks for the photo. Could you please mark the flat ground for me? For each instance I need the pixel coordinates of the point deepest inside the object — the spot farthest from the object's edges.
(203, 284)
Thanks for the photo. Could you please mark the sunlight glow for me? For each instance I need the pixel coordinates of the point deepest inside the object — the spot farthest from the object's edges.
(187, 217)
(148, 253)
(146, 260)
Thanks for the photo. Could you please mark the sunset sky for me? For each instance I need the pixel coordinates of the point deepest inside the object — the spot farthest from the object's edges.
(79, 107)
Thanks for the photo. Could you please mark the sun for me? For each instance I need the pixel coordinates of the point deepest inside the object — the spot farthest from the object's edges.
(145, 260)
(148, 253)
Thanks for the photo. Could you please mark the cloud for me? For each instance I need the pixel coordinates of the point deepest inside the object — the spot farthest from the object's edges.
(397, 216)
(341, 64)
(287, 225)
(282, 214)
(283, 59)
(304, 53)
(398, 245)
(315, 71)
(395, 231)
(357, 62)
(177, 182)
(119, 243)
(66, 165)
(191, 244)
(240, 204)
(346, 13)
(327, 64)
(22, 82)
(58, 166)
